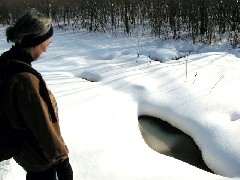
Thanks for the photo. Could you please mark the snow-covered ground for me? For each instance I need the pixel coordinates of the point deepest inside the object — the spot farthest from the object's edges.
(103, 83)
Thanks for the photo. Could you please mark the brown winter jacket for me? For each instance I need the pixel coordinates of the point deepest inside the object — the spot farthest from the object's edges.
(42, 145)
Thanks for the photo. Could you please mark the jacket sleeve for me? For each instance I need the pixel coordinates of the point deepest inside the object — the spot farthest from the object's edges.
(34, 112)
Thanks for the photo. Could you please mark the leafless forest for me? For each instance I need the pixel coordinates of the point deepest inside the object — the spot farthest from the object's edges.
(201, 20)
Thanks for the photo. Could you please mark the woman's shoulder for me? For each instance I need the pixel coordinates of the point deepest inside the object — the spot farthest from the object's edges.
(25, 80)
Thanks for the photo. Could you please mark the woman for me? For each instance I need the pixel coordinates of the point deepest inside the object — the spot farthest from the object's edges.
(29, 105)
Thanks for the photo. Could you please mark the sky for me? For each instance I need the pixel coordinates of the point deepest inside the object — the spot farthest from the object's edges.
(103, 83)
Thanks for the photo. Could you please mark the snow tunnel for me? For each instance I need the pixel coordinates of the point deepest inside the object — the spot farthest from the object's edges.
(163, 138)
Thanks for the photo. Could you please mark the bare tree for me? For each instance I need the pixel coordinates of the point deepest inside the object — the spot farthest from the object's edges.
(164, 18)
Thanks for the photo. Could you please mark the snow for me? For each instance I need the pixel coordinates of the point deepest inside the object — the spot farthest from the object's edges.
(102, 83)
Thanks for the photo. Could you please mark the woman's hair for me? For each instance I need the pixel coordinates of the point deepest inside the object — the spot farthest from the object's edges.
(33, 24)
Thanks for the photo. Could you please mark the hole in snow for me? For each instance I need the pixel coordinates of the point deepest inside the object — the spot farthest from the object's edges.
(89, 76)
(235, 116)
(166, 139)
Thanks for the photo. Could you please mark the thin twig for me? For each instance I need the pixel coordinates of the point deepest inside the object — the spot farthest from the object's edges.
(195, 78)
(222, 76)
(186, 64)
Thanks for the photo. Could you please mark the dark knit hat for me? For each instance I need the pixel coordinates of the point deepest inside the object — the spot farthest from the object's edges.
(32, 40)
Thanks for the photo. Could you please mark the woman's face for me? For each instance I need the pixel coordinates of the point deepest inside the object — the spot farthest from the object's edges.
(38, 50)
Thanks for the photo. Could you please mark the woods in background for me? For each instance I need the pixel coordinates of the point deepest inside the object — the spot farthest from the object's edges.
(206, 19)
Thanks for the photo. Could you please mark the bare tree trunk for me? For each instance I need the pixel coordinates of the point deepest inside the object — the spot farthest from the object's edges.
(203, 17)
(172, 16)
(126, 20)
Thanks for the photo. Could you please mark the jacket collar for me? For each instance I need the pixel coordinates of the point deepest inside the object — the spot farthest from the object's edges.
(19, 54)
